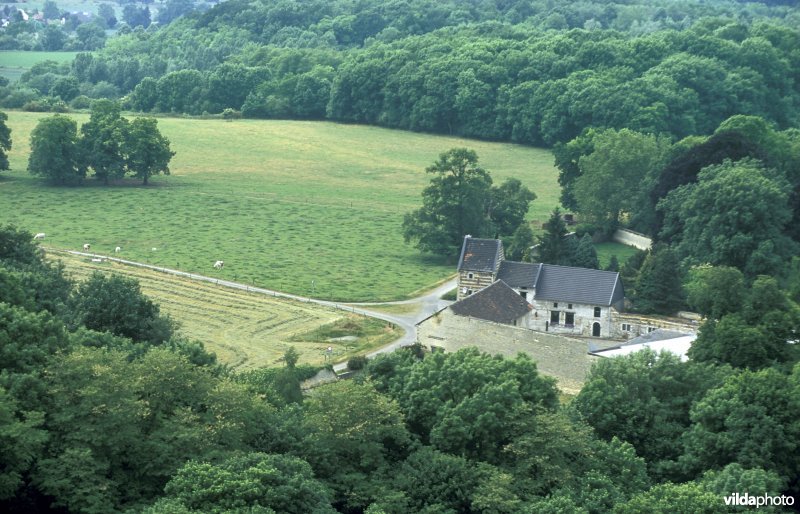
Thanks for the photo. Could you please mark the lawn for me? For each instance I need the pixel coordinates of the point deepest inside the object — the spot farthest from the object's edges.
(606, 250)
(13, 63)
(248, 330)
(311, 208)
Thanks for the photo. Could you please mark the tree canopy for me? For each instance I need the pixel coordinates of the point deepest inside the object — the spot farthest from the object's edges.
(461, 200)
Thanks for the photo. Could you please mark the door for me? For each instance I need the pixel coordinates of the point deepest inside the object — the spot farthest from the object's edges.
(596, 329)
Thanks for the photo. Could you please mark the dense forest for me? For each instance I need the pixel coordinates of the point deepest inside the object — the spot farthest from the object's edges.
(528, 71)
(103, 408)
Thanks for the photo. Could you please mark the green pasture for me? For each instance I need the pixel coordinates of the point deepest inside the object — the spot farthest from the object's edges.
(606, 250)
(312, 208)
(13, 63)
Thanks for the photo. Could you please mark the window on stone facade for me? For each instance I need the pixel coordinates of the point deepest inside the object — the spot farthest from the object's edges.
(651, 329)
(555, 317)
(523, 294)
(626, 327)
(569, 319)
(569, 306)
(555, 305)
(597, 312)
(470, 275)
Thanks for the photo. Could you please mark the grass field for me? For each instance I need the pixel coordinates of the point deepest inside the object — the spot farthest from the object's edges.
(606, 250)
(247, 330)
(14, 63)
(311, 208)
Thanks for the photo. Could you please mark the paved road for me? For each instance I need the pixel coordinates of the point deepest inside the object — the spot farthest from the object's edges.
(429, 303)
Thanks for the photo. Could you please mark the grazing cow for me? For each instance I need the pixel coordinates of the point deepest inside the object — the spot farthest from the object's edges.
(86, 246)
(117, 249)
(40, 235)
(219, 264)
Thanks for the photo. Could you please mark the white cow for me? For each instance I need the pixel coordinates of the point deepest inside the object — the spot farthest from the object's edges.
(40, 235)
(117, 249)
(219, 264)
(86, 246)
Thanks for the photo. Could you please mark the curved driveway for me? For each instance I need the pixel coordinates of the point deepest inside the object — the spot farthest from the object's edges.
(429, 303)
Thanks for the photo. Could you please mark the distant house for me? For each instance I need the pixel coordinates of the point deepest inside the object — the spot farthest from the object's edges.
(565, 300)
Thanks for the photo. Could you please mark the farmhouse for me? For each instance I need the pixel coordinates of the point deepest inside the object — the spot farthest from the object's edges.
(564, 300)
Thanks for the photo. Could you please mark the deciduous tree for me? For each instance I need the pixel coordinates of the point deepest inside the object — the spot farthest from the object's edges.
(453, 205)
(5, 141)
(148, 151)
(55, 153)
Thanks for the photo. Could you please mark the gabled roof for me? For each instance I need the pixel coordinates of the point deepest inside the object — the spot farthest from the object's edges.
(497, 302)
(579, 285)
(480, 254)
(519, 274)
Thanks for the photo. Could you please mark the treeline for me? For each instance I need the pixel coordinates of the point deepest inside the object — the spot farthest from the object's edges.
(730, 200)
(104, 409)
(519, 71)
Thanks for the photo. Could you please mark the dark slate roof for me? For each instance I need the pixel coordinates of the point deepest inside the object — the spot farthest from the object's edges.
(480, 254)
(498, 303)
(519, 274)
(578, 285)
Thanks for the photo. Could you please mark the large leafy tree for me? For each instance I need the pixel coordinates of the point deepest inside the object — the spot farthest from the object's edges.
(508, 205)
(352, 435)
(55, 152)
(714, 291)
(104, 139)
(756, 335)
(5, 141)
(617, 175)
(117, 305)
(255, 482)
(735, 215)
(148, 151)
(453, 205)
(645, 399)
(750, 420)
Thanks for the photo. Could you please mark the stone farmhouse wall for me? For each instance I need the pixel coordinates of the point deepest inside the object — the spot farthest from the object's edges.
(631, 238)
(583, 323)
(478, 281)
(562, 358)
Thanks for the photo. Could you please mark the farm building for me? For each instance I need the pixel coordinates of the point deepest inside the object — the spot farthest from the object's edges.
(564, 300)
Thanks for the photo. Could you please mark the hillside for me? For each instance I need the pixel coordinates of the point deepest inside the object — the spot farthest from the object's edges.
(308, 208)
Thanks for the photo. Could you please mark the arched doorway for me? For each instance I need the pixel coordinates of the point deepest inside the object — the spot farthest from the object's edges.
(596, 329)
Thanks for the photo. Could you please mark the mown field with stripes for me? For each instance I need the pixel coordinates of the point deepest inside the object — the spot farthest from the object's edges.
(245, 330)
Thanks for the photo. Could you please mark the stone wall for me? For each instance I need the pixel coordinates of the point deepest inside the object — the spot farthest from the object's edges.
(640, 325)
(478, 281)
(631, 238)
(583, 322)
(565, 359)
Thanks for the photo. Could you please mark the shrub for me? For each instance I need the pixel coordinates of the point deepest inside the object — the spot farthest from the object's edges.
(357, 363)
